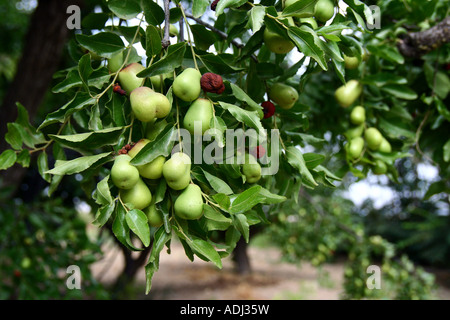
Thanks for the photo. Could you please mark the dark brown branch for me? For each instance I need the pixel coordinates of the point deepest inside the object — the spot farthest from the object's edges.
(416, 44)
(166, 39)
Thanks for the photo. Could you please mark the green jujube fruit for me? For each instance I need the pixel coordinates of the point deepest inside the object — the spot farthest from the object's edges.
(385, 146)
(189, 204)
(200, 110)
(373, 138)
(324, 10)
(139, 195)
(123, 174)
(347, 94)
(154, 216)
(380, 167)
(151, 170)
(251, 169)
(186, 85)
(177, 171)
(283, 95)
(128, 77)
(358, 115)
(115, 62)
(148, 104)
(355, 147)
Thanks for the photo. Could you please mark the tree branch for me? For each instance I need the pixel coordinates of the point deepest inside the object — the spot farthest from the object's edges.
(166, 39)
(416, 44)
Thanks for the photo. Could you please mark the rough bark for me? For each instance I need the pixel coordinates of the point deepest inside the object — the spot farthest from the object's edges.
(416, 44)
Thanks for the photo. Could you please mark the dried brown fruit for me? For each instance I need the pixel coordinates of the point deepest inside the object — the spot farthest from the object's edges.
(211, 82)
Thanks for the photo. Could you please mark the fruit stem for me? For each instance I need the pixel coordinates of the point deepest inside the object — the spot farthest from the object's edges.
(188, 27)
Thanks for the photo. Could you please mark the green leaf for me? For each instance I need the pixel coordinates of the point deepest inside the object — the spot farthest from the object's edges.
(436, 188)
(300, 9)
(309, 43)
(103, 214)
(241, 224)
(215, 219)
(14, 136)
(216, 64)
(250, 118)
(97, 79)
(42, 162)
(388, 53)
(312, 160)
(441, 108)
(256, 18)
(160, 240)
(172, 60)
(90, 140)
(76, 165)
(125, 9)
(24, 158)
(7, 159)
(79, 102)
(218, 184)
(296, 160)
(121, 230)
(246, 200)
(102, 193)
(223, 4)
(205, 251)
(153, 41)
(222, 200)
(270, 198)
(138, 223)
(203, 38)
(242, 96)
(154, 14)
(396, 129)
(199, 7)
(85, 70)
(161, 146)
(400, 91)
(383, 78)
(103, 44)
(116, 107)
(446, 150)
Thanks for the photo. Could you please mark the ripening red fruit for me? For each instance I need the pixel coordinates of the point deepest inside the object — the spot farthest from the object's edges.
(258, 152)
(268, 109)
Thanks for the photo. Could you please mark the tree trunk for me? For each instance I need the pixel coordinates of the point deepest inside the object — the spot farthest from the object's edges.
(44, 44)
(240, 257)
(416, 44)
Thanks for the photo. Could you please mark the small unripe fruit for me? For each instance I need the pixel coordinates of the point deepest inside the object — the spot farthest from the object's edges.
(189, 204)
(385, 146)
(154, 216)
(324, 10)
(200, 111)
(148, 104)
(177, 171)
(115, 62)
(139, 195)
(277, 43)
(351, 62)
(347, 94)
(186, 85)
(251, 169)
(123, 174)
(283, 95)
(128, 79)
(380, 167)
(355, 147)
(373, 138)
(358, 115)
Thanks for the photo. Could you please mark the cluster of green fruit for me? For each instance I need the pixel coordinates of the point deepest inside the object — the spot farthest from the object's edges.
(359, 136)
(148, 106)
(323, 11)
